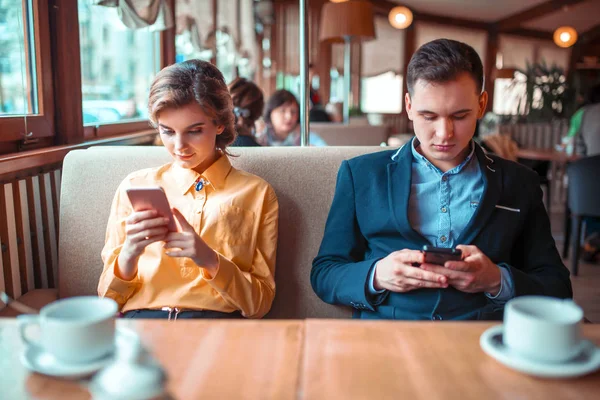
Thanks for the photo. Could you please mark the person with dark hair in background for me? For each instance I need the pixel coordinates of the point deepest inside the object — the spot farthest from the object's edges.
(220, 263)
(248, 104)
(442, 190)
(282, 122)
(317, 112)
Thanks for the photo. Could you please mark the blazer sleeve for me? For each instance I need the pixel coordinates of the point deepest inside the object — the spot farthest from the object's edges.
(339, 272)
(542, 271)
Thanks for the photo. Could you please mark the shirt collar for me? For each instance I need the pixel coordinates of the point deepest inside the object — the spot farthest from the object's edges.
(419, 158)
(214, 175)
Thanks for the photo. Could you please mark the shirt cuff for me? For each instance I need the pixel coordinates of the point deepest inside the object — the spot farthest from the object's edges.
(507, 287)
(116, 288)
(371, 283)
(224, 276)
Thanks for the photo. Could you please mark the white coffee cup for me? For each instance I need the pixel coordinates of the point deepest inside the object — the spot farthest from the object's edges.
(74, 330)
(543, 329)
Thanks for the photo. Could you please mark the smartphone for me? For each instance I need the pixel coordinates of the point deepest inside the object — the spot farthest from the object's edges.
(152, 198)
(439, 255)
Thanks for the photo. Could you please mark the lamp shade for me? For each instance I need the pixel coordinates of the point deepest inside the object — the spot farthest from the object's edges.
(565, 36)
(400, 17)
(353, 19)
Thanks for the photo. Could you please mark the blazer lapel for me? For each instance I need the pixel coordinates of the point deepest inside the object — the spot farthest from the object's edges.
(399, 180)
(492, 189)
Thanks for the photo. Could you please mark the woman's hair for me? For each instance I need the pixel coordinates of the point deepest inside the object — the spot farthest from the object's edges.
(248, 103)
(277, 99)
(194, 81)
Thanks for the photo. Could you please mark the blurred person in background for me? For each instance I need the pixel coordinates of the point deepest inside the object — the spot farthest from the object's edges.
(248, 104)
(282, 122)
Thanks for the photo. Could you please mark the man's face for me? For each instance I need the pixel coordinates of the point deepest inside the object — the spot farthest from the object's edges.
(444, 116)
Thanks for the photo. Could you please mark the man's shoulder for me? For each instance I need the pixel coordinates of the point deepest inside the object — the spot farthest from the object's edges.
(372, 160)
(512, 170)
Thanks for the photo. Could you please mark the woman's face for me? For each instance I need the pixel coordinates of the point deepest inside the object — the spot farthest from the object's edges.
(190, 136)
(284, 119)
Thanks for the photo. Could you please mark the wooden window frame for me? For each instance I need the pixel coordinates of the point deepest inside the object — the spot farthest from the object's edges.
(41, 124)
(56, 34)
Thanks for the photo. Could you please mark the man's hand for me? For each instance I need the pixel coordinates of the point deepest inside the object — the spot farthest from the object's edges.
(397, 274)
(475, 273)
(191, 245)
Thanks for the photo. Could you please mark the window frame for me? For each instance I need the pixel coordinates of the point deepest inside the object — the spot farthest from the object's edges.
(41, 125)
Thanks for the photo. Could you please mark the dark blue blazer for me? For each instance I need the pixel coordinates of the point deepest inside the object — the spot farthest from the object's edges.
(368, 220)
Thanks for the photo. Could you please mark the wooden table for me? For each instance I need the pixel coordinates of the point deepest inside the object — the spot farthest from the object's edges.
(203, 359)
(420, 360)
(312, 359)
(546, 155)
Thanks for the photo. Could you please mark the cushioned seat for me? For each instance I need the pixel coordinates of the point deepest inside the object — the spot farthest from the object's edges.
(303, 178)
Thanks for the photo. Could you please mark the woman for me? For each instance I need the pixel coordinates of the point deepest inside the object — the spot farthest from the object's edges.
(282, 120)
(248, 103)
(221, 261)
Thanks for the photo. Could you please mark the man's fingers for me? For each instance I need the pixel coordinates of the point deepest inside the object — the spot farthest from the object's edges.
(467, 250)
(460, 266)
(409, 256)
(417, 284)
(423, 275)
(449, 274)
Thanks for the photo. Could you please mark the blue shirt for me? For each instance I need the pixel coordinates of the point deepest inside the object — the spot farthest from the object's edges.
(441, 204)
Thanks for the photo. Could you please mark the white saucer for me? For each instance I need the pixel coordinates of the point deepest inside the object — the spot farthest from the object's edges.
(587, 361)
(35, 359)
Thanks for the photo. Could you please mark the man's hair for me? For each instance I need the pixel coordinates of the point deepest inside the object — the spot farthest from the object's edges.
(443, 60)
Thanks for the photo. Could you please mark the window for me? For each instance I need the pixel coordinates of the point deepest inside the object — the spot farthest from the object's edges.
(18, 94)
(382, 94)
(117, 66)
(26, 107)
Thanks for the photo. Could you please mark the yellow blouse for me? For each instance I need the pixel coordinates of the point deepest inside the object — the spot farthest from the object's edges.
(236, 214)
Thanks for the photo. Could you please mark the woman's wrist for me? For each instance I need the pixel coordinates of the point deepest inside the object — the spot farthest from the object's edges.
(126, 267)
(210, 264)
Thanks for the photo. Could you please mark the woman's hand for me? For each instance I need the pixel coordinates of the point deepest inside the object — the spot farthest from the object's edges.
(188, 243)
(141, 228)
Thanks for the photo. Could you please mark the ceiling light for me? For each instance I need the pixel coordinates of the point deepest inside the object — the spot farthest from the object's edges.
(565, 36)
(400, 17)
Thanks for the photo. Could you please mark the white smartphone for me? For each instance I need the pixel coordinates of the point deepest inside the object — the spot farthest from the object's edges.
(152, 198)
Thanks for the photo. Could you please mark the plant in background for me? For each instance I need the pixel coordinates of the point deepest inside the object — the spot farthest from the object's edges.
(547, 95)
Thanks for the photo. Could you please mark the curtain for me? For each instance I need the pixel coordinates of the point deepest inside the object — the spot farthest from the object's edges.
(386, 52)
(287, 50)
(517, 51)
(426, 32)
(136, 14)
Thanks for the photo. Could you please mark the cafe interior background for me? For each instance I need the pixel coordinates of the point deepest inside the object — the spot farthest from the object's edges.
(76, 73)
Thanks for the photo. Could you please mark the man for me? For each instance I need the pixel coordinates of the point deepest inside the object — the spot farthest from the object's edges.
(440, 189)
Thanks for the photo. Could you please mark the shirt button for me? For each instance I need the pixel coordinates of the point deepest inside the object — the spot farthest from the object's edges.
(444, 209)
(443, 239)
(444, 178)
(436, 317)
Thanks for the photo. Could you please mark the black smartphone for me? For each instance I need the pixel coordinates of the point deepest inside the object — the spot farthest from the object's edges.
(439, 255)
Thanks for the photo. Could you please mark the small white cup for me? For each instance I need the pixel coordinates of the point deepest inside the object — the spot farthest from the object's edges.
(543, 329)
(74, 330)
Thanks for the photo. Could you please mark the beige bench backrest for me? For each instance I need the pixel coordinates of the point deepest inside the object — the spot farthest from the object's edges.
(303, 178)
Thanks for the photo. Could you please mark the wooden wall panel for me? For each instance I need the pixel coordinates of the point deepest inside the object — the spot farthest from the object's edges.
(4, 247)
(24, 234)
(13, 250)
(49, 228)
